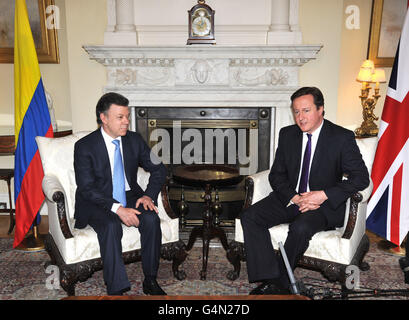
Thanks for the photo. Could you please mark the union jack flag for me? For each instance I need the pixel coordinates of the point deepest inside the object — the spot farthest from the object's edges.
(388, 207)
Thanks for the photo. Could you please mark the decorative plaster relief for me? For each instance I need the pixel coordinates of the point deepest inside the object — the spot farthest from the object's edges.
(256, 77)
(141, 77)
(124, 77)
(200, 71)
(268, 62)
(203, 72)
(154, 77)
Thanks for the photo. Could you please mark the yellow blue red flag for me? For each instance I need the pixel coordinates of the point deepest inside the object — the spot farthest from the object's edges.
(32, 119)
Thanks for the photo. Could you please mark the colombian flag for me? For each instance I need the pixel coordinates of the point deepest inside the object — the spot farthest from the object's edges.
(32, 119)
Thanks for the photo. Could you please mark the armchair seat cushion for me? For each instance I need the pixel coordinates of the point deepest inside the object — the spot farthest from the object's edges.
(324, 245)
(84, 245)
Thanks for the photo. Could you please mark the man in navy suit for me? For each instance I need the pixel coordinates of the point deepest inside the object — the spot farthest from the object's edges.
(310, 200)
(95, 204)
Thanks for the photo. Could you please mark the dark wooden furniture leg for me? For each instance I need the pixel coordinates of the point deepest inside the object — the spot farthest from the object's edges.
(6, 175)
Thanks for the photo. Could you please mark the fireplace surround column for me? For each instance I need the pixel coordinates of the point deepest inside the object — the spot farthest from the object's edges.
(121, 28)
(280, 15)
(284, 23)
(124, 16)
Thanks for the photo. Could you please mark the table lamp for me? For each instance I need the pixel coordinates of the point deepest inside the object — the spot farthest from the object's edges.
(367, 75)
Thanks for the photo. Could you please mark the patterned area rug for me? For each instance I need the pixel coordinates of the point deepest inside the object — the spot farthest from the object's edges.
(23, 276)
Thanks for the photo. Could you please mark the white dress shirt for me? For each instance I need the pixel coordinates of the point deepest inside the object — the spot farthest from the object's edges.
(111, 151)
(314, 138)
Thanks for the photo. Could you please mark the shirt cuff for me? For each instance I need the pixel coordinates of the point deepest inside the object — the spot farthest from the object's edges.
(115, 207)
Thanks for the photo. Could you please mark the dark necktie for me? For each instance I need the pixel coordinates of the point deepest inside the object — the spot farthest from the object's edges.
(118, 179)
(305, 166)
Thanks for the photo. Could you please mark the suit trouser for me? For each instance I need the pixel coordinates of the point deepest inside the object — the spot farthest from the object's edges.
(262, 261)
(108, 227)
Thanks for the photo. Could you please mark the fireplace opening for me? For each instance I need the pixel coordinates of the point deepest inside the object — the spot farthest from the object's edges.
(236, 137)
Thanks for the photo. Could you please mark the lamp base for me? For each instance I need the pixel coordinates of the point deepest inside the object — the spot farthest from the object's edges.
(367, 130)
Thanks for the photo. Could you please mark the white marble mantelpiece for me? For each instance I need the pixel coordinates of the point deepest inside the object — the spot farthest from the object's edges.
(203, 75)
(206, 75)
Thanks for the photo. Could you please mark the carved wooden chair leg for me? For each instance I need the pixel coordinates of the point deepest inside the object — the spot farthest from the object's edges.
(333, 272)
(48, 248)
(179, 257)
(234, 257)
(363, 266)
(175, 252)
(68, 281)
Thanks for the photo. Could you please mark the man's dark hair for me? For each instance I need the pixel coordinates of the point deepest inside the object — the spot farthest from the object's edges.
(315, 92)
(105, 102)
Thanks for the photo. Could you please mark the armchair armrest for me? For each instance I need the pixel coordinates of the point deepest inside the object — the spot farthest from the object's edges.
(357, 199)
(164, 200)
(51, 185)
(366, 193)
(257, 187)
(54, 193)
(165, 210)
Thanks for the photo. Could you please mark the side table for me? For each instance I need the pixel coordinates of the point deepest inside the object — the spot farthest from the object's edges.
(207, 177)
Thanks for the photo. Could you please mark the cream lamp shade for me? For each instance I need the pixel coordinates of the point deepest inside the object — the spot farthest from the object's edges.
(366, 71)
(378, 76)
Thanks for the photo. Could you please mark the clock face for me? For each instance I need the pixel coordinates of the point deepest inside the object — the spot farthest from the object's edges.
(201, 25)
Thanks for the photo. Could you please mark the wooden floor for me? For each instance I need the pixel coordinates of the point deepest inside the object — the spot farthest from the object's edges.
(5, 224)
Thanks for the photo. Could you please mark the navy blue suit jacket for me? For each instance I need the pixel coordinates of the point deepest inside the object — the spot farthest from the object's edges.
(336, 155)
(94, 179)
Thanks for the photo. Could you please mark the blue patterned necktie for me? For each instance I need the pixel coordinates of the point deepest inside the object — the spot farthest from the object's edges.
(118, 181)
(305, 166)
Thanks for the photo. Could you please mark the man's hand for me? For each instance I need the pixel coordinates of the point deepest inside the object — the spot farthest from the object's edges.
(147, 203)
(128, 216)
(310, 200)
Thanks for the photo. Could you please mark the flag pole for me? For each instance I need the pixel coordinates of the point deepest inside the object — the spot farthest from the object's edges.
(33, 242)
(32, 118)
(390, 247)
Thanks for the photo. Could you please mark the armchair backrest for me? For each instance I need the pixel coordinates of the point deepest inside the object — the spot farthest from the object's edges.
(367, 146)
(57, 157)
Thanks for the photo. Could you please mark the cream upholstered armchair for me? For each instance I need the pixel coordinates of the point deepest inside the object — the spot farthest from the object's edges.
(76, 251)
(329, 251)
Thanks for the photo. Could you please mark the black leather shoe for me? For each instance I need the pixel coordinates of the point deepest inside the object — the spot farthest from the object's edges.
(151, 287)
(269, 288)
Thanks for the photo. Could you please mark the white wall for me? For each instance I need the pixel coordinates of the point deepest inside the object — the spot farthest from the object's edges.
(321, 22)
(77, 82)
(86, 22)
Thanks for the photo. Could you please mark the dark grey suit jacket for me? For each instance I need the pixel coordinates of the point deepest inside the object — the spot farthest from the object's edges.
(94, 179)
(336, 155)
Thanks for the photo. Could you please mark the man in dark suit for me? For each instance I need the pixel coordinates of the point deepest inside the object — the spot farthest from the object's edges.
(106, 163)
(311, 199)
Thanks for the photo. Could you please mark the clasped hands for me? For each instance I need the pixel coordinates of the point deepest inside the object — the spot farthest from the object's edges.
(129, 216)
(309, 200)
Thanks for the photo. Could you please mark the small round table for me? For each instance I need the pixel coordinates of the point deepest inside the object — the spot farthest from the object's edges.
(207, 176)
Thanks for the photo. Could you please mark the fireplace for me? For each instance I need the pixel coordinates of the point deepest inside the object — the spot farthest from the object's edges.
(207, 88)
(186, 135)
